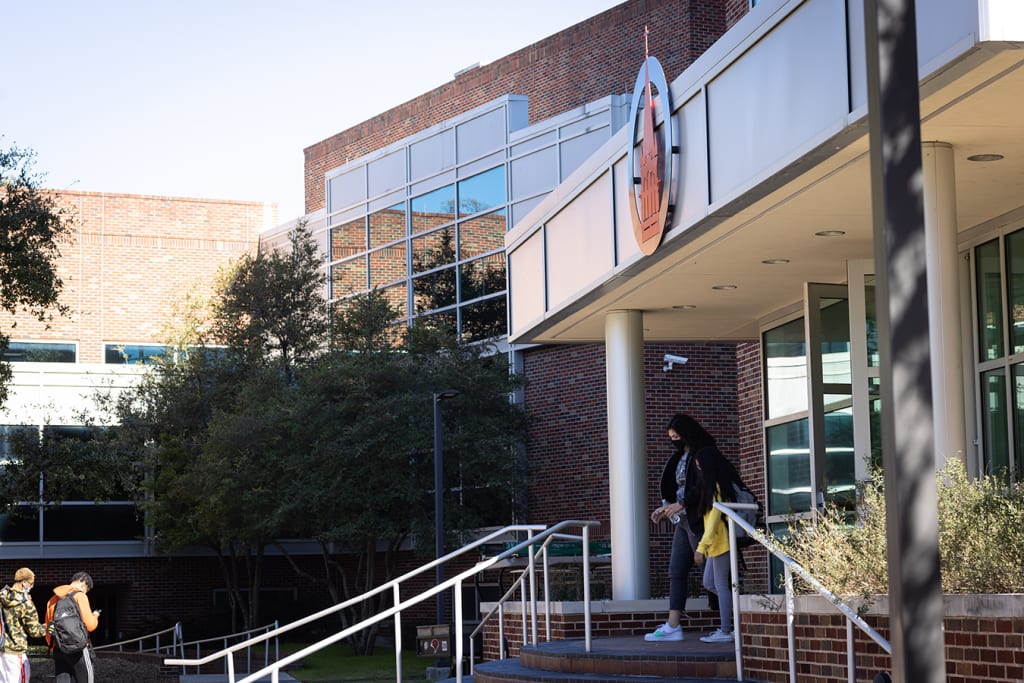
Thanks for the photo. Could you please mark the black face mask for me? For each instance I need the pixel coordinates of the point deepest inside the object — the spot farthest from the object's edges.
(679, 444)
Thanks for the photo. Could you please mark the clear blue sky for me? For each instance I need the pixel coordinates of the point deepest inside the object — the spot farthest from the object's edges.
(218, 98)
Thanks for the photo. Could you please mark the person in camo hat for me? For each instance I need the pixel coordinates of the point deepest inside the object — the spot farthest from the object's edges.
(21, 622)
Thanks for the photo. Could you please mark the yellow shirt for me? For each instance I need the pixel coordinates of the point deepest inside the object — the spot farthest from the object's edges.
(715, 540)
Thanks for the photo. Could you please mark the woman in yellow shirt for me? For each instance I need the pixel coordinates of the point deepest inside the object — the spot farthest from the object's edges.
(717, 478)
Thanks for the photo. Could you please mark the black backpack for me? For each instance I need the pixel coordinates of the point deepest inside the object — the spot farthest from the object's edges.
(66, 626)
(754, 518)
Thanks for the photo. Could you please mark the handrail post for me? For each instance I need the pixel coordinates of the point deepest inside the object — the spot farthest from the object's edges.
(587, 630)
(851, 664)
(547, 595)
(532, 564)
(501, 631)
(457, 600)
(734, 581)
(397, 598)
(790, 619)
(522, 603)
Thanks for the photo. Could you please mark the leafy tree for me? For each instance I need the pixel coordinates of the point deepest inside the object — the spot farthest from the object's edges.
(32, 229)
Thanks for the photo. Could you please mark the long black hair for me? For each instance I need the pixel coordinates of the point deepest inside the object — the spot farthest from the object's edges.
(717, 478)
(691, 432)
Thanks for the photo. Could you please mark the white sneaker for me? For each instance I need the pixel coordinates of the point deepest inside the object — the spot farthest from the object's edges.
(665, 633)
(717, 637)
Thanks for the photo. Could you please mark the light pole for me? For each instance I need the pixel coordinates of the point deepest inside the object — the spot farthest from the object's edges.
(439, 496)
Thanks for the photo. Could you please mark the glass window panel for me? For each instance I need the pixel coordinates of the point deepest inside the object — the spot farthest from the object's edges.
(535, 173)
(1015, 288)
(434, 290)
(481, 135)
(346, 189)
(871, 321)
(40, 352)
(387, 225)
(482, 164)
(777, 569)
(785, 358)
(835, 341)
(485, 319)
(133, 354)
(1018, 422)
(482, 192)
(840, 470)
(349, 277)
(434, 209)
(397, 296)
(387, 265)
(92, 522)
(520, 210)
(386, 173)
(993, 418)
(789, 468)
(348, 239)
(445, 322)
(533, 143)
(482, 277)
(482, 234)
(432, 155)
(20, 525)
(990, 306)
(433, 250)
(577, 150)
(875, 420)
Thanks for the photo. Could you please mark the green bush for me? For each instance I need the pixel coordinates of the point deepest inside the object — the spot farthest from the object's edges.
(981, 538)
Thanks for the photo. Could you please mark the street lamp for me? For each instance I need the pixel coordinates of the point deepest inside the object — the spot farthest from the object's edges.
(439, 496)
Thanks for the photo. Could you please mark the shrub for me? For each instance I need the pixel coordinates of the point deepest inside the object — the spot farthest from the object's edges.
(981, 538)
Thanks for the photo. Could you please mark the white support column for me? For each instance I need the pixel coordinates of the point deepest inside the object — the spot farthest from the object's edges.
(945, 332)
(627, 457)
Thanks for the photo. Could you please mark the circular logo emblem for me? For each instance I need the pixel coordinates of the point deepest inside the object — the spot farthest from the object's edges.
(651, 164)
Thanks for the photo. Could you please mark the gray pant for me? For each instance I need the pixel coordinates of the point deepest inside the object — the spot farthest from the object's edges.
(716, 580)
(679, 566)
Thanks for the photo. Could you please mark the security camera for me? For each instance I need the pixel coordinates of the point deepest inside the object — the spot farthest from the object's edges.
(670, 360)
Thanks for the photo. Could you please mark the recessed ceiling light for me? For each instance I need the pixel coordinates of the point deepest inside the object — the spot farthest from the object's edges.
(684, 307)
(985, 157)
(775, 261)
(724, 287)
(830, 233)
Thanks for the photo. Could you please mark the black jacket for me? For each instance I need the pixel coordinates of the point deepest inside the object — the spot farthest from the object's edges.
(669, 488)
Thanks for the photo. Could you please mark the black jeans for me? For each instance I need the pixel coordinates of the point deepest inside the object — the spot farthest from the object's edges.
(76, 668)
(679, 566)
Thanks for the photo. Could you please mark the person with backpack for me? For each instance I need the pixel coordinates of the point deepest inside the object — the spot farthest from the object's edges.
(69, 621)
(20, 622)
(719, 483)
(680, 493)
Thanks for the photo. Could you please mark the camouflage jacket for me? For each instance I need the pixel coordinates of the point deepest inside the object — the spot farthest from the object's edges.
(21, 620)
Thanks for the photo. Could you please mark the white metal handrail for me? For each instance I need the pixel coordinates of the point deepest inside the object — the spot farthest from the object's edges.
(398, 605)
(225, 640)
(791, 567)
(175, 645)
(517, 585)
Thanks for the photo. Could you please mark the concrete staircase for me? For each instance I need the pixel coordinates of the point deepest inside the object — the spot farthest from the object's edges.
(613, 660)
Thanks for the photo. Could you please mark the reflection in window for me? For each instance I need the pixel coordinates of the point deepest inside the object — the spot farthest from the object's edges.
(397, 297)
(789, 468)
(990, 308)
(840, 470)
(349, 277)
(433, 209)
(434, 290)
(835, 341)
(40, 352)
(133, 354)
(482, 277)
(445, 323)
(92, 522)
(348, 239)
(481, 192)
(785, 359)
(1018, 422)
(994, 424)
(482, 234)
(387, 225)
(387, 264)
(484, 319)
(386, 173)
(871, 321)
(20, 524)
(433, 250)
(1015, 288)
(875, 420)
(346, 189)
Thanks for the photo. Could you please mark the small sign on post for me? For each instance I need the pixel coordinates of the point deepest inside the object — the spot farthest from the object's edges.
(432, 641)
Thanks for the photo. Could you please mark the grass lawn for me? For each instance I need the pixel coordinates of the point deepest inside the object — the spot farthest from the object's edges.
(337, 663)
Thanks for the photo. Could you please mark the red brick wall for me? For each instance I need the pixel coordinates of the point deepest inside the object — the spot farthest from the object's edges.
(132, 258)
(593, 59)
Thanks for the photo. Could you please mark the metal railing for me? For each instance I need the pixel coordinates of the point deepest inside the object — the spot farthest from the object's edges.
(395, 611)
(791, 567)
(517, 585)
(225, 642)
(173, 634)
